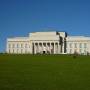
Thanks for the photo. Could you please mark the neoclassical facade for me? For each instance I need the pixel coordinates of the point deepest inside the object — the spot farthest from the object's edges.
(48, 43)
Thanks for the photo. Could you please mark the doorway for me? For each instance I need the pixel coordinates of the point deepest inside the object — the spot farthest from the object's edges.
(44, 52)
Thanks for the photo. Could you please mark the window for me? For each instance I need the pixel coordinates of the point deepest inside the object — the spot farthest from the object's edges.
(17, 45)
(13, 50)
(9, 50)
(9, 45)
(21, 45)
(13, 45)
(17, 50)
(29, 46)
(25, 45)
(85, 45)
(80, 45)
(21, 50)
(70, 45)
(25, 51)
(70, 50)
(85, 51)
(80, 50)
(75, 45)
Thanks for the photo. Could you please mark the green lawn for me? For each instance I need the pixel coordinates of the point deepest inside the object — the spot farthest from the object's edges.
(44, 72)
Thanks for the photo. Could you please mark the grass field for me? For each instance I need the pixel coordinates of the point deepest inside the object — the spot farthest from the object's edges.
(44, 72)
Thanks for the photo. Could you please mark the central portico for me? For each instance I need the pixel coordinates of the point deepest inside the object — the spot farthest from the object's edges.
(48, 42)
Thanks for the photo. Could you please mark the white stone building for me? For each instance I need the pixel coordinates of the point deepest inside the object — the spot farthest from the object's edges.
(48, 42)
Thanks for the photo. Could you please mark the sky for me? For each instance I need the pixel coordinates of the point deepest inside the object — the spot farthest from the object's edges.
(20, 17)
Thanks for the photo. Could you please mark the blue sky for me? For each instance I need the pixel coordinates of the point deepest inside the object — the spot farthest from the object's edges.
(19, 17)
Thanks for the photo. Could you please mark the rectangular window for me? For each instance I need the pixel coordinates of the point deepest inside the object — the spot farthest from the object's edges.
(80, 45)
(13, 45)
(9, 50)
(17, 45)
(70, 45)
(21, 45)
(17, 50)
(75, 45)
(13, 50)
(25, 45)
(85, 45)
(85, 51)
(21, 50)
(80, 50)
(70, 50)
(25, 51)
(9, 45)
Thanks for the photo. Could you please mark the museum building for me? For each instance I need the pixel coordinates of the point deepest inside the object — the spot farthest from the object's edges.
(51, 42)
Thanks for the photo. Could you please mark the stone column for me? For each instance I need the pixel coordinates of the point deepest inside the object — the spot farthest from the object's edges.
(34, 48)
(54, 47)
(63, 46)
(58, 48)
(42, 47)
(38, 47)
(50, 47)
(46, 47)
